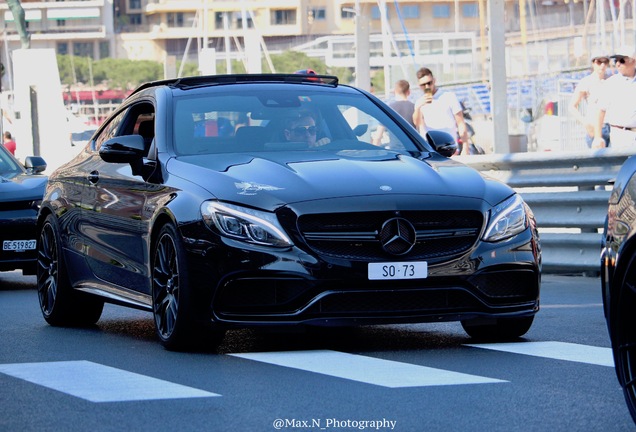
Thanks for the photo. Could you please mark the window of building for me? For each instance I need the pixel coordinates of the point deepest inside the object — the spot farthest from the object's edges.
(441, 11)
(83, 49)
(470, 10)
(62, 48)
(410, 11)
(347, 13)
(375, 12)
(283, 16)
(135, 19)
(218, 20)
(134, 4)
(238, 18)
(319, 14)
(104, 50)
(174, 19)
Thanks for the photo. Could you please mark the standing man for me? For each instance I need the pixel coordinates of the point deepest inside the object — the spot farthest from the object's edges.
(402, 104)
(590, 89)
(9, 143)
(616, 105)
(439, 110)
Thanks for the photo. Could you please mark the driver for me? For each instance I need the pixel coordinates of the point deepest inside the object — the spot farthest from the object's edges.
(302, 129)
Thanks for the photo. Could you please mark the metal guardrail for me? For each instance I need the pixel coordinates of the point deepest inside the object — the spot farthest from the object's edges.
(568, 193)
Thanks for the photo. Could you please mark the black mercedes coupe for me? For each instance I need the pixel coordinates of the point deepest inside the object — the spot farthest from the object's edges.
(218, 202)
(21, 190)
(618, 278)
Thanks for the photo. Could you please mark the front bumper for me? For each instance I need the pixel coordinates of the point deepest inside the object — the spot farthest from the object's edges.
(248, 286)
(18, 225)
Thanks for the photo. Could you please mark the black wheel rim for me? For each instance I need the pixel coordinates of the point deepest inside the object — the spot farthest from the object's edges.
(165, 286)
(47, 269)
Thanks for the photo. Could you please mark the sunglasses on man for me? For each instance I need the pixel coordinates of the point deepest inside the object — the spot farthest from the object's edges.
(299, 130)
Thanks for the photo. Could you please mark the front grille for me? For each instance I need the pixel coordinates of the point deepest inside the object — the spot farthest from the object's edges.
(356, 236)
(506, 286)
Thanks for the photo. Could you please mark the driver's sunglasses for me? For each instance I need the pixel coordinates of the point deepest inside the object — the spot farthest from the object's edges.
(299, 130)
(620, 60)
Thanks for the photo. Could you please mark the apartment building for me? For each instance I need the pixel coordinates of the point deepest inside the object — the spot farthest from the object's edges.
(154, 29)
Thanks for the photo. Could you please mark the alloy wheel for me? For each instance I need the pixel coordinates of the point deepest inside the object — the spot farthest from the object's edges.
(165, 286)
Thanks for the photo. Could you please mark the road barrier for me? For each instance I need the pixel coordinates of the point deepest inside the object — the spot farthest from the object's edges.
(568, 193)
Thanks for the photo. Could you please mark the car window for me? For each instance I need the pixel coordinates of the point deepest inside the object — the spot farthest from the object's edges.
(8, 166)
(108, 131)
(260, 121)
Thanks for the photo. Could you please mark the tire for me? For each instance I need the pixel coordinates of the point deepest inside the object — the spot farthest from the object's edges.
(500, 330)
(181, 322)
(623, 336)
(59, 303)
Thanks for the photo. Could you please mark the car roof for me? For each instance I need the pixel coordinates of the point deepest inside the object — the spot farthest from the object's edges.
(191, 82)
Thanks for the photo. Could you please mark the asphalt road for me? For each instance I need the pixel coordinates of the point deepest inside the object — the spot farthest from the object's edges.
(427, 377)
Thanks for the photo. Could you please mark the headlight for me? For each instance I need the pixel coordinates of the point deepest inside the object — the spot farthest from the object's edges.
(245, 224)
(507, 219)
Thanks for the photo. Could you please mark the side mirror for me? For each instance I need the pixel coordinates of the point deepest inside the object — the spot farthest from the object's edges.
(35, 164)
(360, 129)
(123, 149)
(442, 142)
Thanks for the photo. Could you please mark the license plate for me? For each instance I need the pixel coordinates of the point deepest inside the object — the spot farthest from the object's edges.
(18, 245)
(398, 270)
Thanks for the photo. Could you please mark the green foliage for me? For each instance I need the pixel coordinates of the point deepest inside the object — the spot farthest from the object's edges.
(128, 74)
(121, 74)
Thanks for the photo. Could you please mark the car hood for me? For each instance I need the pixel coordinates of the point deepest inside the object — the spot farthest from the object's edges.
(22, 187)
(270, 180)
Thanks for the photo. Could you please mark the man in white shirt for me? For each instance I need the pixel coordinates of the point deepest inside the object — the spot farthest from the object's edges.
(617, 105)
(439, 110)
(589, 90)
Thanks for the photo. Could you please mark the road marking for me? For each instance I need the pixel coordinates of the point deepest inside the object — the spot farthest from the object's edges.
(556, 350)
(368, 370)
(98, 383)
(571, 306)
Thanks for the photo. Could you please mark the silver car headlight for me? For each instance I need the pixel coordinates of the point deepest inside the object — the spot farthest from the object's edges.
(507, 219)
(245, 224)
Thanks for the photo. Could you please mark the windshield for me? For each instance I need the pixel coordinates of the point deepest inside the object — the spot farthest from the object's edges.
(283, 120)
(8, 166)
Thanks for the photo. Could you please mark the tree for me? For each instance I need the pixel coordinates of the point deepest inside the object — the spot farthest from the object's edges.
(128, 74)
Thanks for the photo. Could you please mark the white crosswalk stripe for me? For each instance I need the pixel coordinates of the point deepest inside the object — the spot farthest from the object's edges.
(556, 350)
(364, 369)
(98, 383)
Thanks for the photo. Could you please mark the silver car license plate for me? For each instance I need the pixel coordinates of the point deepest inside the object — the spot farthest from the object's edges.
(398, 270)
(18, 245)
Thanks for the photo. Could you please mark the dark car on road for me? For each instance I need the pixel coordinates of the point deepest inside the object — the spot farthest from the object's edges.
(618, 278)
(219, 202)
(21, 190)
